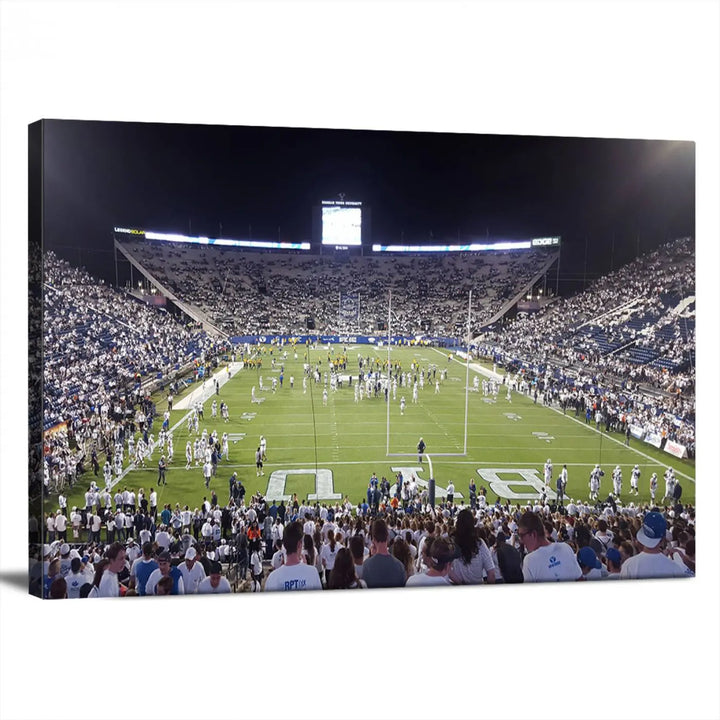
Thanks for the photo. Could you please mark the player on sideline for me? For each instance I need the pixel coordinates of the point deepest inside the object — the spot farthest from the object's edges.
(548, 472)
(420, 449)
(562, 483)
(669, 478)
(508, 397)
(595, 475)
(653, 487)
(207, 473)
(634, 479)
(617, 481)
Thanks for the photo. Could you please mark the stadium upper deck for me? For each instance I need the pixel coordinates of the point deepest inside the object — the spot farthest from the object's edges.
(252, 292)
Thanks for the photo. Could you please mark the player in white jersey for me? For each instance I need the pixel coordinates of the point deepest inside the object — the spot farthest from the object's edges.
(213, 410)
(402, 405)
(669, 477)
(595, 476)
(415, 393)
(653, 487)
(324, 396)
(394, 388)
(617, 481)
(140, 451)
(548, 472)
(131, 445)
(225, 445)
(188, 455)
(304, 384)
(357, 392)
(437, 387)
(170, 448)
(634, 479)
(508, 397)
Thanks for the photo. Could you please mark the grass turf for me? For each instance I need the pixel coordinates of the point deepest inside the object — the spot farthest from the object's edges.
(351, 439)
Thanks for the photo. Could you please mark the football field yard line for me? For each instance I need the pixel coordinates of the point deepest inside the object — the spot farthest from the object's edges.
(131, 465)
(579, 422)
(621, 444)
(350, 439)
(394, 459)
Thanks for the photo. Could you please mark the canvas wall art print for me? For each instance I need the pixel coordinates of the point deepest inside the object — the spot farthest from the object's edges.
(285, 359)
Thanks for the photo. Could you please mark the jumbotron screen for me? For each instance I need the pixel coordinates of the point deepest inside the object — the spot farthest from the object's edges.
(341, 223)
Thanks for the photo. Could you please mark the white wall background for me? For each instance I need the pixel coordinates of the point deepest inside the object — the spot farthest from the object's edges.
(609, 69)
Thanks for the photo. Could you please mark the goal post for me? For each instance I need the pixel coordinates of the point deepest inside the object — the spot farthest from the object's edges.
(467, 387)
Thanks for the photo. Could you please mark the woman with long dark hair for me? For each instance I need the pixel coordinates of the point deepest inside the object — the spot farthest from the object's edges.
(328, 553)
(401, 551)
(473, 562)
(342, 576)
(99, 571)
(308, 551)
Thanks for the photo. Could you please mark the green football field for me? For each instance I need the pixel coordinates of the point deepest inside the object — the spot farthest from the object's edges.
(330, 451)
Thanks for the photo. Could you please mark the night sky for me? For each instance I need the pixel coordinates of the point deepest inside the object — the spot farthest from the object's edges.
(610, 196)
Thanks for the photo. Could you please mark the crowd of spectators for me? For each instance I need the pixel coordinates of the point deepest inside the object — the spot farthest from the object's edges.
(648, 304)
(252, 292)
(650, 289)
(100, 345)
(263, 545)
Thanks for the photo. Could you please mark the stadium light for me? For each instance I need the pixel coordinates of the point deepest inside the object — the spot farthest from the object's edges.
(472, 247)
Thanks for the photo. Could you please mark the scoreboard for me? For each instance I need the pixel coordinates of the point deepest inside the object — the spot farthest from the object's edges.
(341, 223)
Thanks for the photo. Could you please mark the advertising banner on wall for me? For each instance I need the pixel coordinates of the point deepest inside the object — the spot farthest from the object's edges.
(654, 439)
(637, 431)
(679, 451)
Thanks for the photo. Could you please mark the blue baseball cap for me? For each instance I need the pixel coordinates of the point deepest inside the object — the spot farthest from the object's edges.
(653, 529)
(586, 557)
(613, 554)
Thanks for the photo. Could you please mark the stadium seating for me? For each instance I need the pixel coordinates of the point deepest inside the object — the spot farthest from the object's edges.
(251, 292)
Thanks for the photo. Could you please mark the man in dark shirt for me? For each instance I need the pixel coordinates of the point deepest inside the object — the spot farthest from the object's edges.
(382, 569)
(421, 449)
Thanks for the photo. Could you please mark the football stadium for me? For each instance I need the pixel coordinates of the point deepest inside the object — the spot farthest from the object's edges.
(238, 411)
